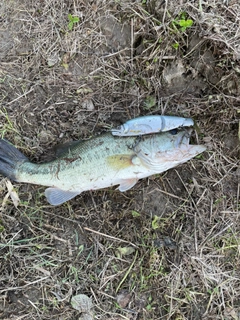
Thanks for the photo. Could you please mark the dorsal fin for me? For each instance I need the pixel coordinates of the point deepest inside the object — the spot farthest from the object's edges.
(63, 149)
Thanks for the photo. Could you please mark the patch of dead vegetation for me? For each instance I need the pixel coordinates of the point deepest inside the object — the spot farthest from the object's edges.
(167, 249)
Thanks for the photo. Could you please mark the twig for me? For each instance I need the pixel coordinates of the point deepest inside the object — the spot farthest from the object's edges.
(110, 237)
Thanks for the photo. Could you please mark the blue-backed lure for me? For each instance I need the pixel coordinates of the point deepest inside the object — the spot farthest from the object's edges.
(151, 124)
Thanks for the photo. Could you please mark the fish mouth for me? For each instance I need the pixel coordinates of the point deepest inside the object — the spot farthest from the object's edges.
(183, 138)
(183, 142)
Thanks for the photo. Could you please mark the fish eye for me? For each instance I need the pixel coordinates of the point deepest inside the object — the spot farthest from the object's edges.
(174, 131)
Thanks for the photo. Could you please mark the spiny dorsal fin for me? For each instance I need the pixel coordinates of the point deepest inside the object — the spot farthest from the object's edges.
(65, 148)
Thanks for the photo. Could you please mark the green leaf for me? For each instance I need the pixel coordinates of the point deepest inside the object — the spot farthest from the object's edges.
(184, 24)
(149, 307)
(125, 251)
(176, 45)
(149, 102)
(155, 224)
(135, 214)
(72, 20)
(70, 26)
(183, 15)
(75, 19)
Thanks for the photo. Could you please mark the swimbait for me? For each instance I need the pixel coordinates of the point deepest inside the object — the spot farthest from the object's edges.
(151, 124)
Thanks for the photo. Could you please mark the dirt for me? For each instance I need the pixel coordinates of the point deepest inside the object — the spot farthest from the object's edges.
(119, 61)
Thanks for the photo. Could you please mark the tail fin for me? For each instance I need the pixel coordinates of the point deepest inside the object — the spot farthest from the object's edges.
(10, 159)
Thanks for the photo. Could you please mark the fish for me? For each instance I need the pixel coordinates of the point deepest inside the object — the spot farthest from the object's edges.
(100, 162)
(151, 124)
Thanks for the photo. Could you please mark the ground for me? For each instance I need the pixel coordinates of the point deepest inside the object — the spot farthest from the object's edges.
(170, 247)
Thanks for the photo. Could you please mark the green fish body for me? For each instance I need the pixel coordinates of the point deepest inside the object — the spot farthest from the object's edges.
(100, 162)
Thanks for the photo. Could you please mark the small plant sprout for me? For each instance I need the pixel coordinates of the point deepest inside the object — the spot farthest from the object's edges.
(72, 20)
(182, 23)
(149, 102)
(155, 222)
(135, 214)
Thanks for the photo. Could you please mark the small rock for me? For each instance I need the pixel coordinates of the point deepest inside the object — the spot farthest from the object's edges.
(82, 303)
(123, 299)
(88, 105)
(53, 59)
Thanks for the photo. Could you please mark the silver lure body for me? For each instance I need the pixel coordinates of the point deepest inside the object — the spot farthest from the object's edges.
(151, 124)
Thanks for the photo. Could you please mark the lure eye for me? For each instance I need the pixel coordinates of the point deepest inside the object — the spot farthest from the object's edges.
(174, 131)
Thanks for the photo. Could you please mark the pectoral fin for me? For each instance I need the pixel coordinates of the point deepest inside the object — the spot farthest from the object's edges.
(57, 196)
(127, 184)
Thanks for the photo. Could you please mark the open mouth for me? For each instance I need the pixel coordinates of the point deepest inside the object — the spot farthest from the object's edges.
(183, 143)
(183, 137)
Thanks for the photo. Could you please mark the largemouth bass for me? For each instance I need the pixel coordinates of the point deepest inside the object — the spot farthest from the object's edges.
(100, 162)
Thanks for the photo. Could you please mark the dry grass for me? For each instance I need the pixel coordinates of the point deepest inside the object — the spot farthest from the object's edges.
(119, 61)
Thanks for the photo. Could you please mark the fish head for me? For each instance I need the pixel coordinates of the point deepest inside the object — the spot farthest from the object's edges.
(168, 149)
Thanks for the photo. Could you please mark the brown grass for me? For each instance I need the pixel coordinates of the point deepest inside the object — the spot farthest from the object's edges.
(168, 248)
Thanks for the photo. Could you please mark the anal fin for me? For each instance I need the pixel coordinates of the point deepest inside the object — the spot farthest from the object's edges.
(57, 196)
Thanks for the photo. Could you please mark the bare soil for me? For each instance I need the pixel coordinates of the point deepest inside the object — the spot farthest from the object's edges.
(169, 247)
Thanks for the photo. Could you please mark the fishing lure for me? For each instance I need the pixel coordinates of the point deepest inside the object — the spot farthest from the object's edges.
(151, 124)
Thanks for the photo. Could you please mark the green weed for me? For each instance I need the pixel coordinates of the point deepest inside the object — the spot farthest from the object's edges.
(182, 22)
(149, 102)
(72, 20)
(8, 125)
